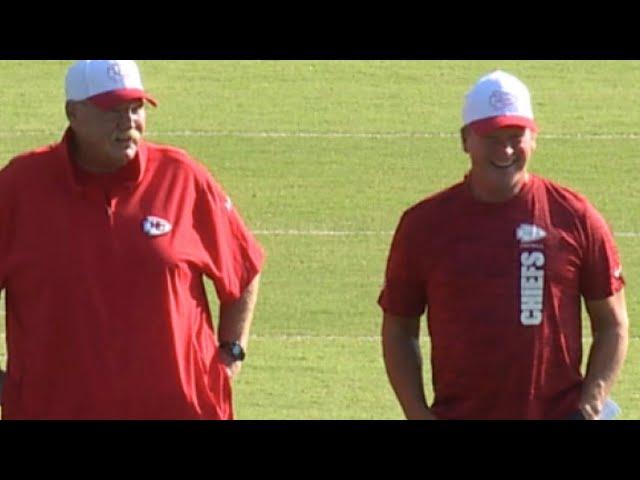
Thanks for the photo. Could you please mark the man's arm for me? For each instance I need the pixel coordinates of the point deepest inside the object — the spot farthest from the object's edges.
(610, 330)
(403, 361)
(235, 322)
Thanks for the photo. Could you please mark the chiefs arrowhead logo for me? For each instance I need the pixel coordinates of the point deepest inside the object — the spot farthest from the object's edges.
(527, 232)
(155, 226)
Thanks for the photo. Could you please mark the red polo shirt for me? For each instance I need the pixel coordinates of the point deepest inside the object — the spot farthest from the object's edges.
(106, 310)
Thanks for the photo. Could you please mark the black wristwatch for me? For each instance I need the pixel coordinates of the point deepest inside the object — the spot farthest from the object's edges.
(234, 349)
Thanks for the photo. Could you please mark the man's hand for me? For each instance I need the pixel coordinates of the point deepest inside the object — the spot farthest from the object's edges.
(232, 366)
(593, 400)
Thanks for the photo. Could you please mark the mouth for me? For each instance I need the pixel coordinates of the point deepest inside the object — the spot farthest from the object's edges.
(131, 137)
(504, 166)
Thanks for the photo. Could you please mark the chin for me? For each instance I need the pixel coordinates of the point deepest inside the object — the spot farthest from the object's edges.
(122, 157)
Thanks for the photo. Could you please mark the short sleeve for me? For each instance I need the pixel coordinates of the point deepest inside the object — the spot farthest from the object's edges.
(403, 293)
(6, 227)
(232, 257)
(601, 272)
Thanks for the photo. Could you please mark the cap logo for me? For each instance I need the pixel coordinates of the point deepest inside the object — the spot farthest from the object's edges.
(155, 226)
(114, 73)
(500, 100)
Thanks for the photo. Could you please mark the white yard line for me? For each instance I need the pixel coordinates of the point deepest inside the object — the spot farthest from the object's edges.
(274, 134)
(347, 233)
(328, 338)
(187, 133)
(320, 233)
(322, 338)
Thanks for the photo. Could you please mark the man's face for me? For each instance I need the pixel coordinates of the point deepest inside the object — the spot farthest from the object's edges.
(502, 155)
(111, 136)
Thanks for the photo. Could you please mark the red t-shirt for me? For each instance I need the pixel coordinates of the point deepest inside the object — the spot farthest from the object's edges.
(502, 285)
(106, 310)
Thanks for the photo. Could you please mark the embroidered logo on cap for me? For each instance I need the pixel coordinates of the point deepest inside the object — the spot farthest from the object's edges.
(502, 101)
(114, 73)
(155, 226)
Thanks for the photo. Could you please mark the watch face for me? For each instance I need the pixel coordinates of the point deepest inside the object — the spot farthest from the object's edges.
(236, 351)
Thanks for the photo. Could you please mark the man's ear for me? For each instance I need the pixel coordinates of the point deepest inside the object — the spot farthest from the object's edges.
(534, 141)
(70, 110)
(463, 139)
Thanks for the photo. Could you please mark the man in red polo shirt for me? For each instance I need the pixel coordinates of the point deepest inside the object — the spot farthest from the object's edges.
(104, 243)
(500, 262)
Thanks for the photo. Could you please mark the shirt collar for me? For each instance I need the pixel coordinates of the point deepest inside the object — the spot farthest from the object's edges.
(130, 175)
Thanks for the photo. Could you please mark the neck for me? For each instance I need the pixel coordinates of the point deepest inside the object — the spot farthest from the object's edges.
(489, 191)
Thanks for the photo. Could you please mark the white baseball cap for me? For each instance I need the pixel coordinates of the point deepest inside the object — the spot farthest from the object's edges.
(498, 100)
(105, 83)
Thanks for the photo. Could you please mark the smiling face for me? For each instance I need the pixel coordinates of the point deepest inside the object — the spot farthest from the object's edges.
(498, 160)
(105, 140)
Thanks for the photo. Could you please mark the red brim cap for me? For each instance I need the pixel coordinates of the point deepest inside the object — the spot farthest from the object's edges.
(110, 100)
(487, 125)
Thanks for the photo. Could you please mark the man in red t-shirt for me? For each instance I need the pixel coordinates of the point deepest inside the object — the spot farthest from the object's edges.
(500, 263)
(105, 240)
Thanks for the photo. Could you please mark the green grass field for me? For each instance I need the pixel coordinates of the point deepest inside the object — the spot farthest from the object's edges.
(321, 158)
